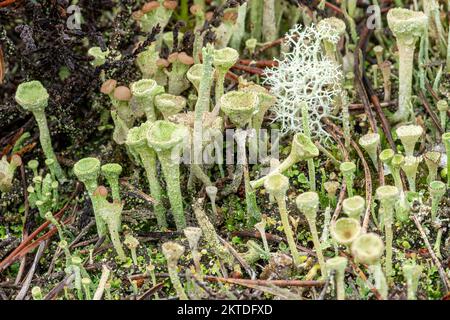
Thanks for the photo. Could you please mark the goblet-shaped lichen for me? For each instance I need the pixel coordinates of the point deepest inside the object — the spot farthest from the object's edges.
(112, 171)
(345, 230)
(409, 135)
(132, 243)
(173, 252)
(348, 172)
(169, 104)
(409, 167)
(368, 249)
(239, 106)
(277, 185)
(308, 204)
(32, 96)
(144, 92)
(193, 235)
(432, 160)
(137, 142)
(302, 149)
(388, 196)
(224, 59)
(336, 28)
(7, 170)
(338, 265)
(370, 143)
(446, 142)
(407, 26)
(443, 108)
(412, 273)
(167, 139)
(111, 213)
(194, 75)
(354, 207)
(87, 171)
(437, 190)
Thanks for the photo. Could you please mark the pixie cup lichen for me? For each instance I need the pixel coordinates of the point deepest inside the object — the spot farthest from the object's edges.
(173, 252)
(368, 249)
(407, 26)
(432, 160)
(111, 172)
(169, 104)
(409, 167)
(446, 142)
(308, 204)
(144, 92)
(137, 142)
(167, 139)
(370, 143)
(224, 59)
(409, 135)
(302, 149)
(32, 96)
(239, 106)
(338, 265)
(348, 170)
(388, 197)
(354, 207)
(277, 185)
(345, 230)
(412, 273)
(437, 190)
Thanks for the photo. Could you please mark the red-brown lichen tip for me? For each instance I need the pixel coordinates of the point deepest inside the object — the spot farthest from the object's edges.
(185, 59)
(150, 6)
(170, 4)
(108, 86)
(101, 191)
(162, 63)
(173, 57)
(122, 93)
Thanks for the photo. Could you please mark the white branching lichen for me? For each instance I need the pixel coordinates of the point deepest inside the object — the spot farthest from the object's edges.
(305, 74)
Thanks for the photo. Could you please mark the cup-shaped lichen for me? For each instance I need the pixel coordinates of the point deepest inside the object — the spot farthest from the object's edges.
(111, 213)
(144, 92)
(348, 170)
(331, 188)
(169, 104)
(335, 27)
(224, 59)
(173, 252)
(239, 106)
(338, 265)
(407, 26)
(370, 143)
(396, 164)
(36, 293)
(167, 139)
(410, 166)
(99, 56)
(137, 142)
(87, 171)
(409, 135)
(437, 190)
(193, 235)
(180, 64)
(194, 75)
(112, 171)
(132, 243)
(388, 197)
(432, 160)
(32, 96)
(277, 185)
(308, 204)
(368, 249)
(446, 142)
(412, 273)
(443, 108)
(354, 207)
(345, 230)
(302, 149)
(211, 191)
(7, 170)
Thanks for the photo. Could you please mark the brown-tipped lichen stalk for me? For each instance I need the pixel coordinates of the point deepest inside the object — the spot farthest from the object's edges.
(348, 170)
(388, 196)
(137, 142)
(302, 148)
(87, 171)
(368, 249)
(173, 252)
(180, 64)
(167, 139)
(277, 185)
(407, 26)
(32, 96)
(446, 142)
(412, 273)
(338, 265)
(308, 204)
